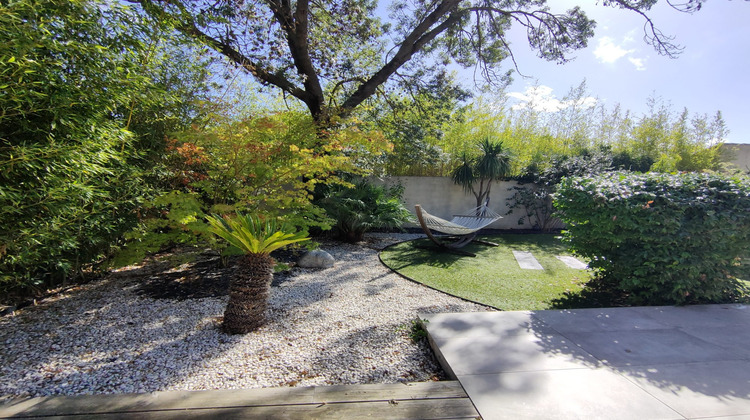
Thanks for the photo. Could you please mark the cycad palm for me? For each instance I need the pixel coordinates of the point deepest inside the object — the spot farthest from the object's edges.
(251, 281)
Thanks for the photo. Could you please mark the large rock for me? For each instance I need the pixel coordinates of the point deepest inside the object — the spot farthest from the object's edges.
(316, 259)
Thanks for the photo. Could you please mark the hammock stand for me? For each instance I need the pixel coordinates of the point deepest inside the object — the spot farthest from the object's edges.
(460, 230)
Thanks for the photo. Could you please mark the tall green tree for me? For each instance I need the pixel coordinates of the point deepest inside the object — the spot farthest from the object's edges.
(415, 121)
(334, 55)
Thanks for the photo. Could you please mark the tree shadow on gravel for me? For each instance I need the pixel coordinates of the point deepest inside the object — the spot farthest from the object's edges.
(92, 347)
(202, 276)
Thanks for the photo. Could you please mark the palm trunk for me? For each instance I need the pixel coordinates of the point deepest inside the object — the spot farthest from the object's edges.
(248, 294)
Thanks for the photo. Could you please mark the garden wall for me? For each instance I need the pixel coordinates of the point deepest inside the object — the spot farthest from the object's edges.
(441, 197)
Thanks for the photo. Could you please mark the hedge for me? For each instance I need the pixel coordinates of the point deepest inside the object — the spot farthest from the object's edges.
(659, 238)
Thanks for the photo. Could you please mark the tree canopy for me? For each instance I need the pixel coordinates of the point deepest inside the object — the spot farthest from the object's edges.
(334, 54)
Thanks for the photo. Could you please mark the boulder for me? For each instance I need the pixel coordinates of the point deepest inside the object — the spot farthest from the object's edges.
(316, 259)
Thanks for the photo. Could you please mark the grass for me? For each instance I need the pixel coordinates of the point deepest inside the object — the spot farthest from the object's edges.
(493, 277)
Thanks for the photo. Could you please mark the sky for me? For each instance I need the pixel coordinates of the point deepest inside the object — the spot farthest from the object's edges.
(712, 73)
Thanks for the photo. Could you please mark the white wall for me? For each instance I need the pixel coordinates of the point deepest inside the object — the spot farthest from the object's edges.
(439, 196)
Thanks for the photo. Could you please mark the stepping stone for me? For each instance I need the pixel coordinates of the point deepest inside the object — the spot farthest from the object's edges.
(527, 261)
(572, 262)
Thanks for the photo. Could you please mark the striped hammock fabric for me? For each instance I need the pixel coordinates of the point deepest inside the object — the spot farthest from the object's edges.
(465, 224)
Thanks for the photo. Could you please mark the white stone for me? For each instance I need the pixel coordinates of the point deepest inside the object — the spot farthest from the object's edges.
(527, 261)
(572, 262)
(316, 259)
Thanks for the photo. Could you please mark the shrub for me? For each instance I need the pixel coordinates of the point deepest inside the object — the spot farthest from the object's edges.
(363, 207)
(266, 164)
(544, 174)
(660, 238)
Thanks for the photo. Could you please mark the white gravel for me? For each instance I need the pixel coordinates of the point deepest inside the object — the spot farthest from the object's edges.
(343, 325)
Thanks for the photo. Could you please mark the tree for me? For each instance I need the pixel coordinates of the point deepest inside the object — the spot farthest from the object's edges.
(87, 94)
(260, 164)
(251, 281)
(492, 164)
(334, 55)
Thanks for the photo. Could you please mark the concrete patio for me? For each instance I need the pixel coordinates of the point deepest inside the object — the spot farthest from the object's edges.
(615, 363)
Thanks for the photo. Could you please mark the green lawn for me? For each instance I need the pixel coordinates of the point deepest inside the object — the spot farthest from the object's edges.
(493, 277)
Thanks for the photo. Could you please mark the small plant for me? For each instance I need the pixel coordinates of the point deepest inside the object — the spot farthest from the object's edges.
(251, 282)
(415, 329)
(281, 267)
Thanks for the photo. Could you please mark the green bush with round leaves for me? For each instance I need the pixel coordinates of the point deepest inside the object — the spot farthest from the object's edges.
(661, 238)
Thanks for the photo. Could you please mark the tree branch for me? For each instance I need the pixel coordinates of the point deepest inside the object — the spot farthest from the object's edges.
(259, 71)
(296, 29)
(413, 42)
(652, 35)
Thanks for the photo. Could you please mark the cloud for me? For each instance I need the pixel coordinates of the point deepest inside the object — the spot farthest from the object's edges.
(540, 98)
(638, 63)
(609, 52)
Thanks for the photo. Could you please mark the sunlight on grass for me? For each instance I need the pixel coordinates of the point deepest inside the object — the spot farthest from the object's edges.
(493, 277)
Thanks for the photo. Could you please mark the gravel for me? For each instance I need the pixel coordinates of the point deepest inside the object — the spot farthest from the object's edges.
(347, 324)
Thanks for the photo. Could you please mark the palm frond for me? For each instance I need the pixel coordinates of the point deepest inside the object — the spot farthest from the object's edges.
(252, 235)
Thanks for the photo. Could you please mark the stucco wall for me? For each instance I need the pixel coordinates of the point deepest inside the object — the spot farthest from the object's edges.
(737, 154)
(441, 197)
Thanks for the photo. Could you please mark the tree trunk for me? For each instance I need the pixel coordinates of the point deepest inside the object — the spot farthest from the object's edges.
(248, 294)
(353, 236)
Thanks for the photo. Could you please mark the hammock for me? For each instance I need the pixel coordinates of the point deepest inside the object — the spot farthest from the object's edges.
(463, 228)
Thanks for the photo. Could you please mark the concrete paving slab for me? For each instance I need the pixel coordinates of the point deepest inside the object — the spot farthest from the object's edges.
(473, 324)
(698, 315)
(599, 320)
(637, 348)
(572, 262)
(731, 337)
(512, 353)
(527, 261)
(562, 394)
(706, 389)
(742, 417)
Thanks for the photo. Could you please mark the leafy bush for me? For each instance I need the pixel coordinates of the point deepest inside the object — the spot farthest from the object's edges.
(659, 238)
(544, 174)
(68, 186)
(362, 207)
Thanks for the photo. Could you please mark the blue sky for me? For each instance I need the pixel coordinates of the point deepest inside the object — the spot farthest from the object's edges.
(712, 74)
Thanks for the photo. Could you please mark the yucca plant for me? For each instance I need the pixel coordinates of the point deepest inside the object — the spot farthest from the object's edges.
(493, 163)
(251, 282)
